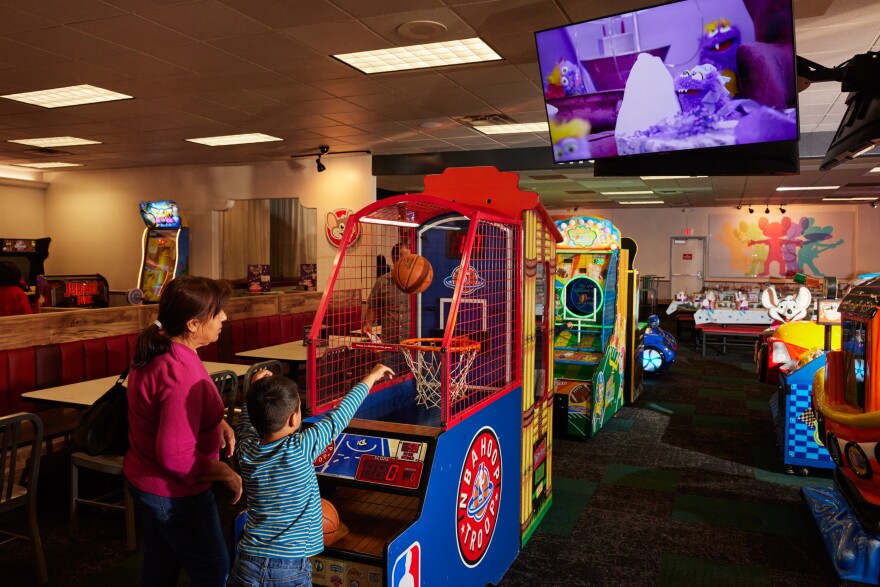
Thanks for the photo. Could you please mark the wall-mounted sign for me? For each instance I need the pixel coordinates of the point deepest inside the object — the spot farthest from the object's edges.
(687, 256)
(335, 226)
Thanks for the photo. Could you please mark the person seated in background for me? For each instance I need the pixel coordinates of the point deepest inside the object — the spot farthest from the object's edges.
(13, 300)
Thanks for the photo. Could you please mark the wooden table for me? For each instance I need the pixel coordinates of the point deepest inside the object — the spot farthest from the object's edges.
(295, 352)
(85, 393)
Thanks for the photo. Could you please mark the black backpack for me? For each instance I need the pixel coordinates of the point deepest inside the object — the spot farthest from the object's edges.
(103, 428)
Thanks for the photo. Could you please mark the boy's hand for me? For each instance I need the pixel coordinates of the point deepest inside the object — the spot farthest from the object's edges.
(378, 373)
(260, 374)
(227, 438)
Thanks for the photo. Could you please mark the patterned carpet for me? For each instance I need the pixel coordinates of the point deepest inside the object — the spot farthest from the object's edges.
(684, 488)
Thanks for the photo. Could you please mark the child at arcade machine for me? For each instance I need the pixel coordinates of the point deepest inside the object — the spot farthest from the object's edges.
(275, 459)
(13, 300)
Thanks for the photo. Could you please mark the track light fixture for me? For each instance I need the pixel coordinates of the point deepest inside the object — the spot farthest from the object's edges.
(739, 207)
(767, 210)
(874, 204)
(751, 210)
(325, 150)
(781, 210)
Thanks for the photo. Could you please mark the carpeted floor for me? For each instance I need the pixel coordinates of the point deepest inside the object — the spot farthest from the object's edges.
(684, 488)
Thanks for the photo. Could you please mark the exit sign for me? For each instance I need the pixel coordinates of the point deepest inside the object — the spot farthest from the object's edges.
(687, 256)
(687, 231)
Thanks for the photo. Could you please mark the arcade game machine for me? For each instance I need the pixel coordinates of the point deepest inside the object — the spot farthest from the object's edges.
(73, 291)
(797, 436)
(28, 254)
(846, 396)
(165, 248)
(445, 470)
(632, 377)
(589, 346)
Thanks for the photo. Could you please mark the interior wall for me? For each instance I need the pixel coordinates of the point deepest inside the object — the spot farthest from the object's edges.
(93, 218)
(652, 229)
(22, 212)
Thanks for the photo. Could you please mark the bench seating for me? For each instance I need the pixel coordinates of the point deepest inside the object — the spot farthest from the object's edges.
(728, 335)
(40, 367)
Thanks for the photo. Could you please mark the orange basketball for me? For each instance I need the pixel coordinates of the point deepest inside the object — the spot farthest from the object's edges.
(331, 520)
(412, 274)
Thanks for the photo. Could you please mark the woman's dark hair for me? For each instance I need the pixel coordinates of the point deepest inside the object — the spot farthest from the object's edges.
(182, 299)
(10, 274)
(270, 402)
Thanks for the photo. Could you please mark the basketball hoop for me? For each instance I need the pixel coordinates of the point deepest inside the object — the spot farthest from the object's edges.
(424, 359)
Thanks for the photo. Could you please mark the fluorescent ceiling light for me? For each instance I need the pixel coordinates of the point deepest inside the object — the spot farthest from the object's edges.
(638, 193)
(235, 139)
(506, 129)
(48, 165)
(638, 202)
(69, 96)
(55, 142)
(864, 150)
(875, 170)
(808, 188)
(390, 222)
(649, 177)
(420, 56)
(856, 199)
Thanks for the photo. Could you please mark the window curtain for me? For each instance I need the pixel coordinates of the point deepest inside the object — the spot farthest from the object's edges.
(294, 237)
(245, 233)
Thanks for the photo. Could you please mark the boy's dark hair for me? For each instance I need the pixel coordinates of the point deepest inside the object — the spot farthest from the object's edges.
(270, 402)
(10, 274)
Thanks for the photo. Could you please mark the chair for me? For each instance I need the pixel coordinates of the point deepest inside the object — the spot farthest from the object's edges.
(227, 387)
(110, 465)
(274, 366)
(13, 495)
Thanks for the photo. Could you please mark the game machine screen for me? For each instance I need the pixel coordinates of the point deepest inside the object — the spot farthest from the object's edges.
(712, 78)
(588, 325)
(165, 247)
(73, 291)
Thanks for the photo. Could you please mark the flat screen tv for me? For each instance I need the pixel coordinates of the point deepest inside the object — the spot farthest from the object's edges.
(694, 85)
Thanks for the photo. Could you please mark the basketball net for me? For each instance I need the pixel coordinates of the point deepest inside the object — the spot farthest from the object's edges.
(425, 360)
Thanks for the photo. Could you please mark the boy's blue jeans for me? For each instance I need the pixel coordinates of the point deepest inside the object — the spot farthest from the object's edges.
(182, 532)
(254, 571)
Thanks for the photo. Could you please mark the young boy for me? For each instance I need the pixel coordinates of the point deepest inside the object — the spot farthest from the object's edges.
(284, 521)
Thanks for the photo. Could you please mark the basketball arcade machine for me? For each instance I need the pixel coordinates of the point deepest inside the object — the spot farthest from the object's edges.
(425, 479)
(589, 346)
(165, 248)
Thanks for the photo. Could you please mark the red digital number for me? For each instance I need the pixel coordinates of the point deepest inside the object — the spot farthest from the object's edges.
(392, 473)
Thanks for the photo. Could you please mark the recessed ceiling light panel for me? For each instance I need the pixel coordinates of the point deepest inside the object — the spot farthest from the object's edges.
(807, 188)
(49, 165)
(235, 139)
(508, 129)
(641, 202)
(635, 193)
(50, 142)
(420, 56)
(68, 96)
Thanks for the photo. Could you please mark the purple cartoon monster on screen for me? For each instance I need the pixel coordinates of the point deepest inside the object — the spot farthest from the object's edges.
(718, 47)
(701, 88)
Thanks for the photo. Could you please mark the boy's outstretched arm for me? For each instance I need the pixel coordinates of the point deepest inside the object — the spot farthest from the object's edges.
(316, 438)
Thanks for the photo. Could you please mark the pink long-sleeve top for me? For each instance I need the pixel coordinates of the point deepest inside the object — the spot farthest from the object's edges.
(174, 414)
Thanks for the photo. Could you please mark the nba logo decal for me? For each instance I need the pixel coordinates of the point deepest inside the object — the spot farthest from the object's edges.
(407, 567)
(479, 496)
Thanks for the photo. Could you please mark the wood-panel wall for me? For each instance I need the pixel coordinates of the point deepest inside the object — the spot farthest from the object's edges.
(64, 326)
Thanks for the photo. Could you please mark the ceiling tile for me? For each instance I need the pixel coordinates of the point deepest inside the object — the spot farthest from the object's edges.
(198, 57)
(64, 11)
(130, 30)
(269, 49)
(17, 20)
(367, 8)
(338, 37)
(278, 13)
(504, 17)
(205, 20)
(136, 65)
(67, 42)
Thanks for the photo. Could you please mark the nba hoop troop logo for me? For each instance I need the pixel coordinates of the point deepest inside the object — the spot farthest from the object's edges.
(479, 497)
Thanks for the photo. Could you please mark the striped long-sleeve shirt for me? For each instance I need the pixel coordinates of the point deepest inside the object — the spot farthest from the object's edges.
(284, 505)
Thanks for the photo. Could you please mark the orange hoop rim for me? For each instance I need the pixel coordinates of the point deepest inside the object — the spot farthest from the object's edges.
(417, 344)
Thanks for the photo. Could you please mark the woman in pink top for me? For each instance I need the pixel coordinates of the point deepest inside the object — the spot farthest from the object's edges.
(176, 432)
